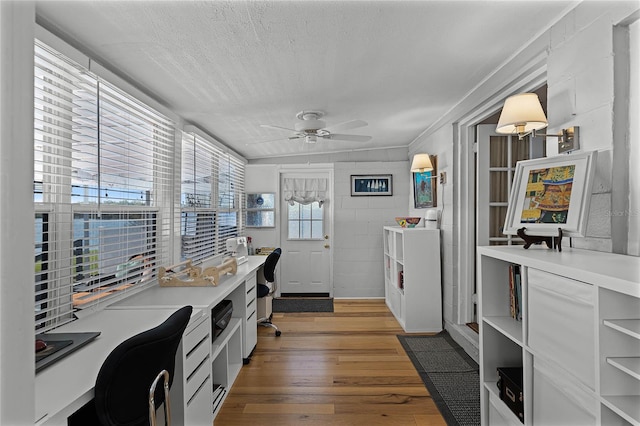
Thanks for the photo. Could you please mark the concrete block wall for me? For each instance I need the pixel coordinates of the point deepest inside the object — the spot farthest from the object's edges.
(581, 92)
(358, 221)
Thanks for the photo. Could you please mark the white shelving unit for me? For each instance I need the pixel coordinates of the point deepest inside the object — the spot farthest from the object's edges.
(412, 277)
(226, 352)
(578, 342)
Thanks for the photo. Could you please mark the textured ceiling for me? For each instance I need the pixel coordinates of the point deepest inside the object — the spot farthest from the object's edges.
(230, 66)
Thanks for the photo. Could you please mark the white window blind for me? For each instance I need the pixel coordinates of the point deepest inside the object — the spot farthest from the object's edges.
(212, 187)
(103, 169)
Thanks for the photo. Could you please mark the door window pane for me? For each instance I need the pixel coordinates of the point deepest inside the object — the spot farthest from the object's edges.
(305, 222)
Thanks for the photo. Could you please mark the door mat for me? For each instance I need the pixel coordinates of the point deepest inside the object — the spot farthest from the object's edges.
(299, 304)
(450, 375)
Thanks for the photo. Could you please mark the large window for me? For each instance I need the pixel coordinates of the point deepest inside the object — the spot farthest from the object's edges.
(212, 198)
(102, 185)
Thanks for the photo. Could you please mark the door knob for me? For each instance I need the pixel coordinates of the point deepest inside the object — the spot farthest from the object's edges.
(326, 237)
(326, 246)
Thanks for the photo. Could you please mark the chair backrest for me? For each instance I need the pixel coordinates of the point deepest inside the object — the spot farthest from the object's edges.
(123, 382)
(269, 268)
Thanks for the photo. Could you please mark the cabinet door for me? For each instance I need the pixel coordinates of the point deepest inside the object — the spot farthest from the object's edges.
(562, 324)
(560, 400)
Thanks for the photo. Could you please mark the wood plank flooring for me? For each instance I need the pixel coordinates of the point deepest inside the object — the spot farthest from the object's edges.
(341, 368)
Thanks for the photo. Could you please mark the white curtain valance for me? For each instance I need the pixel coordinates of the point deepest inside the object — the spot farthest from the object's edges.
(305, 190)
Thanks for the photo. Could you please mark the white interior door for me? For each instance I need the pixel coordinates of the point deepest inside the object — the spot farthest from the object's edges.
(306, 234)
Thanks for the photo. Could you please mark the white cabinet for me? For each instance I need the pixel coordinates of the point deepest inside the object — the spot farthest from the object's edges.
(413, 289)
(578, 340)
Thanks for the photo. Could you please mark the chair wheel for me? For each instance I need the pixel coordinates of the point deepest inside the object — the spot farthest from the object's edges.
(278, 332)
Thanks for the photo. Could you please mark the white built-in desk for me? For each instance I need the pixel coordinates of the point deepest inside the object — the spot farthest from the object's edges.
(65, 386)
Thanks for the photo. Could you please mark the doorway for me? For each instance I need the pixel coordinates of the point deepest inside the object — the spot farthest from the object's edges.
(306, 232)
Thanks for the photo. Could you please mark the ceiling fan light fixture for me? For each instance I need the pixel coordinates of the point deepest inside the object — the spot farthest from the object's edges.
(310, 139)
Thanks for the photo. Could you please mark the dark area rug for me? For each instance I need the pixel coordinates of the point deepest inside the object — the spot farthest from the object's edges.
(450, 375)
(302, 304)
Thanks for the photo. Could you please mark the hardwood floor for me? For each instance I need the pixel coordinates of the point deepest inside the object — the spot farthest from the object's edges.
(340, 368)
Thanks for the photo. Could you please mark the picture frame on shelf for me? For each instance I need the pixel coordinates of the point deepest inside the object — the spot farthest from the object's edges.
(371, 185)
(551, 193)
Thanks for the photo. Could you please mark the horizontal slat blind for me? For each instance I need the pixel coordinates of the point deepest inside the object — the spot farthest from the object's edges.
(102, 167)
(210, 200)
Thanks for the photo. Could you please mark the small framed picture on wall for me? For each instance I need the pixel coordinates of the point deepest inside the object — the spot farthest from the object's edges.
(371, 185)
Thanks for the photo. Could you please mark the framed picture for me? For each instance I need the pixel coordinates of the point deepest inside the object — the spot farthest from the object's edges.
(371, 185)
(551, 193)
(425, 188)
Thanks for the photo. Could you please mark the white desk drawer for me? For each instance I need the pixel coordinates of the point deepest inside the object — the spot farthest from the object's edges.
(195, 380)
(199, 410)
(250, 287)
(196, 356)
(191, 338)
(251, 308)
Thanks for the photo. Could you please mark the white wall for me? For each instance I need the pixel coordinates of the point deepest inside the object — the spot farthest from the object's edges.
(576, 54)
(581, 91)
(263, 178)
(17, 357)
(358, 221)
(634, 142)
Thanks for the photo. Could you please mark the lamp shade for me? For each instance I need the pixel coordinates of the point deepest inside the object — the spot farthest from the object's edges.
(521, 114)
(421, 163)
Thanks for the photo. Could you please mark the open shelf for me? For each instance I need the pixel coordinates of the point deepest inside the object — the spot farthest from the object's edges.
(507, 326)
(629, 365)
(627, 407)
(630, 327)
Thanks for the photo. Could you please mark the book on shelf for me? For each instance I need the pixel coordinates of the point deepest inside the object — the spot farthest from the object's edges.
(515, 292)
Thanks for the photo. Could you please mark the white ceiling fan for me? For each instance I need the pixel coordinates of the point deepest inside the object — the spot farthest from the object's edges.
(310, 128)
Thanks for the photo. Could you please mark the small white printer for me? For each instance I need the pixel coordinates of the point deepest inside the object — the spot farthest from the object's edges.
(237, 246)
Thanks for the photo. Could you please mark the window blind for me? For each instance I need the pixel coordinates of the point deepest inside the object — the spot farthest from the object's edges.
(212, 187)
(102, 172)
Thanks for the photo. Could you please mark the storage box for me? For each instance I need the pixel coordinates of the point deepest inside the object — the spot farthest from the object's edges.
(220, 317)
(510, 386)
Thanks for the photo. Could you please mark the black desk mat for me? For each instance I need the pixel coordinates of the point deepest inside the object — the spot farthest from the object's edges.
(59, 345)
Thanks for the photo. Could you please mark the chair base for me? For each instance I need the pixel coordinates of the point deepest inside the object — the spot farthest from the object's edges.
(266, 322)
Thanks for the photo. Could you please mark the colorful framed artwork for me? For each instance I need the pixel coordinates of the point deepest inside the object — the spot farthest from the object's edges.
(425, 189)
(551, 193)
(371, 185)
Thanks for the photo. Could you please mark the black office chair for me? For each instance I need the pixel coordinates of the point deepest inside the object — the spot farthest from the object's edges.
(266, 291)
(122, 390)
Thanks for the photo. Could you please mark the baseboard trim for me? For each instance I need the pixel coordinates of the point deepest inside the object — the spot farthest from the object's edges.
(466, 338)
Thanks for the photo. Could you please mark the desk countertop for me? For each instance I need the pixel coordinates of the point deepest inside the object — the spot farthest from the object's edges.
(68, 384)
(158, 297)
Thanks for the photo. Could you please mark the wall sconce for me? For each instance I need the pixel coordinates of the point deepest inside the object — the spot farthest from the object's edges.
(422, 163)
(522, 114)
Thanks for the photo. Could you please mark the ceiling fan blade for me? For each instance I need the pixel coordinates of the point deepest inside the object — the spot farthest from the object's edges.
(347, 125)
(352, 138)
(286, 138)
(269, 126)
